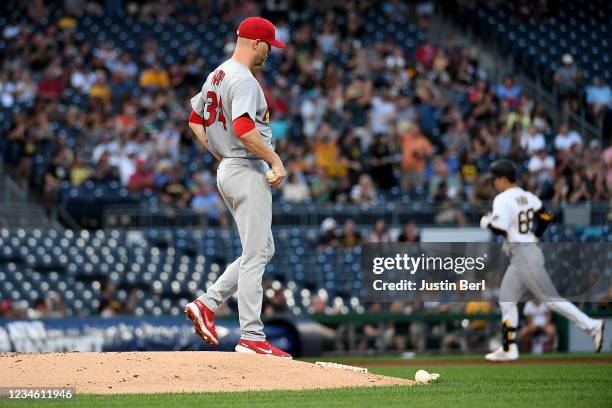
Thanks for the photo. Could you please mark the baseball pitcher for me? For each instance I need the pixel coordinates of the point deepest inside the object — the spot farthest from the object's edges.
(230, 118)
(515, 211)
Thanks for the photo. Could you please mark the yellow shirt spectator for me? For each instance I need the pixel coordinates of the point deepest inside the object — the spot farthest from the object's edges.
(154, 78)
(478, 307)
(100, 91)
(326, 156)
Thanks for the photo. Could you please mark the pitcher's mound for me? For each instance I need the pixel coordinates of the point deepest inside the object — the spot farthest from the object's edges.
(182, 371)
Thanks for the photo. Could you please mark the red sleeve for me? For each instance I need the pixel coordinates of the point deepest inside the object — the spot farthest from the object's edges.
(243, 124)
(195, 118)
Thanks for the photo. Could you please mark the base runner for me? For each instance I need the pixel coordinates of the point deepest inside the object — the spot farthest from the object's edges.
(514, 213)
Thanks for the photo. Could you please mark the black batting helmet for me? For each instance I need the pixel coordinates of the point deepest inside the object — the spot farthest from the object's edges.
(502, 168)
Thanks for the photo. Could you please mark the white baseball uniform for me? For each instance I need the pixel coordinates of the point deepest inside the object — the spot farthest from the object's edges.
(229, 92)
(513, 212)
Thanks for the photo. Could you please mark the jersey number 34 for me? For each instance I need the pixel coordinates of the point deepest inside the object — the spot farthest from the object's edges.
(212, 104)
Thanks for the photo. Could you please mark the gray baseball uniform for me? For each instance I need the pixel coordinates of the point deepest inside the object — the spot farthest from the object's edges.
(228, 93)
(513, 212)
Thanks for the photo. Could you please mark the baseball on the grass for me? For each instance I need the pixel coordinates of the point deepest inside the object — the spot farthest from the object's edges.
(422, 377)
(270, 175)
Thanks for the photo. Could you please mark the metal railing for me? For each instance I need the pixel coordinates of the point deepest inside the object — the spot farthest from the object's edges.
(311, 215)
(24, 216)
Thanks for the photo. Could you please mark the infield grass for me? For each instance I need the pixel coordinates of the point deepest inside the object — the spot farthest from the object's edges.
(494, 385)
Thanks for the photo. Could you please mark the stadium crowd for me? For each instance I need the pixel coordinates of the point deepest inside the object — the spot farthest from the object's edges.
(351, 122)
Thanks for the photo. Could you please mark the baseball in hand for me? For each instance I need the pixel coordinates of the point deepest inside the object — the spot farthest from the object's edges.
(270, 175)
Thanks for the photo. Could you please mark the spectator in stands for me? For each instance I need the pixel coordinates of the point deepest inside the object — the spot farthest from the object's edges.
(100, 91)
(124, 68)
(154, 77)
(508, 90)
(381, 162)
(364, 192)
(321, 186)
(416, 149)
(561, 191)
(383, 113)
(427, 101)
(579, 191)
(341, 194)
(351, 236)
(50, 86)
(539, 324)
(410, 233)
(594, 174)
(542, 171)
(371, 335)
(206, 202)
(276, 304)
(175, 193)
(109, 304)
(566, 138)
(521, 115)
(567, 78)
(57, 172)
(80, 171)
(380, 234)
(312, 110)
(82, 78)
(317, 305)
(532, 141)
(598, 96)
(351, 155)
(483, 102)
(105, 173)
(142, 179)
(328, 236)
(51, 305)
(456, 140)
(295, 190)
(442, 175)
(426, 53)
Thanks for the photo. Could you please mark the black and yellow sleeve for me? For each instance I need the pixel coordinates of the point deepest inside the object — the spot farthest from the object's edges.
(542, 219)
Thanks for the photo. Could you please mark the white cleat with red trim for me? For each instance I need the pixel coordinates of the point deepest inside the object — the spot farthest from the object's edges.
(260, 347)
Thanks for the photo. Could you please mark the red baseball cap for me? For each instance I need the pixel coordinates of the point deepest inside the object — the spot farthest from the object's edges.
(257, 28)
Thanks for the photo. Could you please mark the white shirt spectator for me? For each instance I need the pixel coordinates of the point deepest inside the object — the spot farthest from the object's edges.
(125, 165)
(296, 192)
(126, 68)
(383, 112)
(542, 166)
(312, 112)
(25, 89)
(82, 80)
(564, 141)
(532, 141)
(537, 313)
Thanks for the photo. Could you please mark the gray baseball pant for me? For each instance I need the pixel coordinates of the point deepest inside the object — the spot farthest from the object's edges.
(245, 189)
(527, 272)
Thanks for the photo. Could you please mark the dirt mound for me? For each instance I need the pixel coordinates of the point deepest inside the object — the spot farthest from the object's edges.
(184, 371)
